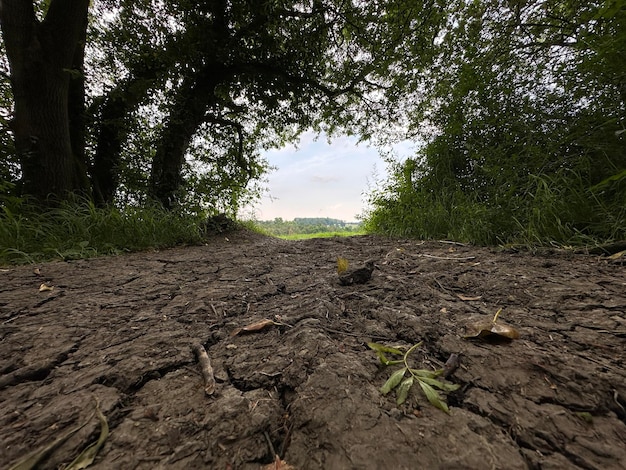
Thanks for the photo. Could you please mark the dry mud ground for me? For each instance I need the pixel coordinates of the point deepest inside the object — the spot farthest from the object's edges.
(120, 330)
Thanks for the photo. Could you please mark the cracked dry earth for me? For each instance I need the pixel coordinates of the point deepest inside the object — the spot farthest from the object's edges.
(120, 330)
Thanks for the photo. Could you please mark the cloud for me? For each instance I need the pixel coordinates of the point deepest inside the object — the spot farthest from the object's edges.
(318, 179)
(323, 179)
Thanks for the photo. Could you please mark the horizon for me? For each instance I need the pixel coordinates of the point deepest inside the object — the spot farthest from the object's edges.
(315, 178)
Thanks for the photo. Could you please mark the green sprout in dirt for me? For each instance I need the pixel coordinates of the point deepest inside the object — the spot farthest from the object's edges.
(399, 380)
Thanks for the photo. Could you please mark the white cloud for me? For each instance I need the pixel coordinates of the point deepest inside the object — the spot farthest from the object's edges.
(319, 179)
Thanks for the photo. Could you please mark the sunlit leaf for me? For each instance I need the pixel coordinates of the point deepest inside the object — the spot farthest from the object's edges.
(254, 326)
(484, 328)
(403, 390)
(433, 397)
(383, 359)
(45, 287)
(382, 349)
(393, 381)
(342, 265)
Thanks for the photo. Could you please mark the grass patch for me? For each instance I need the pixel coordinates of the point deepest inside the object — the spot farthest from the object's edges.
(556, 210)
(306, 236)
(81, 230)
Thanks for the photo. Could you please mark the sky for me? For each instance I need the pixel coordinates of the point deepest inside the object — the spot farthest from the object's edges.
(318, 179)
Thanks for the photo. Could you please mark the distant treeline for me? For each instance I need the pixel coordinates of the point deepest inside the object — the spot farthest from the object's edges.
(278, 226)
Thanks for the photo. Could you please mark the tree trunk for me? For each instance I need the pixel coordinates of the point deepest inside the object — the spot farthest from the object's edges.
(188, 112)
(78, 114)
(41, 55)
(113, 128)
(112, 131)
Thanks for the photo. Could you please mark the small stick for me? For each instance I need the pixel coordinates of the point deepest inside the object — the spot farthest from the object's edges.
(205, 368)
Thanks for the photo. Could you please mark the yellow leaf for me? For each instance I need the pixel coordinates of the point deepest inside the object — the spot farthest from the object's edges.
(254, 326)
(342, 265)
(485, 328)
(44, 287)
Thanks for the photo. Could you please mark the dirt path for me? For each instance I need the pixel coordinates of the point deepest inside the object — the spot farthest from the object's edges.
(120, 329)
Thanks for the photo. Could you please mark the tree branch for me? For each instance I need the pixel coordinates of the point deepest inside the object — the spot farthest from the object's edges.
(239, 129)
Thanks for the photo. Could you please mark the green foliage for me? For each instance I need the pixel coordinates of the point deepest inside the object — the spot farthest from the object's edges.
(80, 230)
(523, 128)
(300, 227)
(306, 236)
(225, 82)
(402, 383)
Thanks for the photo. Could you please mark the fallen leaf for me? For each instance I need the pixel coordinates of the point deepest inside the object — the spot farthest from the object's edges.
(87, 456)
(37, 271)
(342, 265)
(617, 255)
(32, 460)
(381, 350)
(433, 397)
(403, 390)
(468, 298)
(486, 328)
(254, 326)
(44, 287)
(393, 381)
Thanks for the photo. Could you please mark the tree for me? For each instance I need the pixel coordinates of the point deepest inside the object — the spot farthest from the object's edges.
(186, 97)
(45, 60)
(524, 119)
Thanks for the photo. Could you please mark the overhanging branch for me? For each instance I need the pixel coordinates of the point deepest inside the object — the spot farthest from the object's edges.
(240, 135)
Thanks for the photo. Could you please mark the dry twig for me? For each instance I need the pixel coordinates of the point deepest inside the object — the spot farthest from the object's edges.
(205, 368)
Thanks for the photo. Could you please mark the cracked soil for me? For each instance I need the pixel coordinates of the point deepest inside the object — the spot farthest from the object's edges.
(120, 329)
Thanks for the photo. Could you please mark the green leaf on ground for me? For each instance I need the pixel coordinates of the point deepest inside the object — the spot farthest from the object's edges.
(403, 390)
(393, 381)
(433, 397)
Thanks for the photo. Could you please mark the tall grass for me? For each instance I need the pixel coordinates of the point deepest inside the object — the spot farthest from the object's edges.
(558, 209)
(79, 230)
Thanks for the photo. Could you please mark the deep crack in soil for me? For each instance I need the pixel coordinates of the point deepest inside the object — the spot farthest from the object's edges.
(121, 329)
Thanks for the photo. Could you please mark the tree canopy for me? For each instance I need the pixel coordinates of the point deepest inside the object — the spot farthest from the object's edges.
(174, 100)
(523, 116)
(519, 107)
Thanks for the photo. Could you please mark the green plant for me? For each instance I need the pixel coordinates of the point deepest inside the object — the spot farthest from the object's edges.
(80, 230)
(404, 378)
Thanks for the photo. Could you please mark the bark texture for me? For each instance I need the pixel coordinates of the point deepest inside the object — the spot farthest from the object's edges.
(188, 113)
(41, 56)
